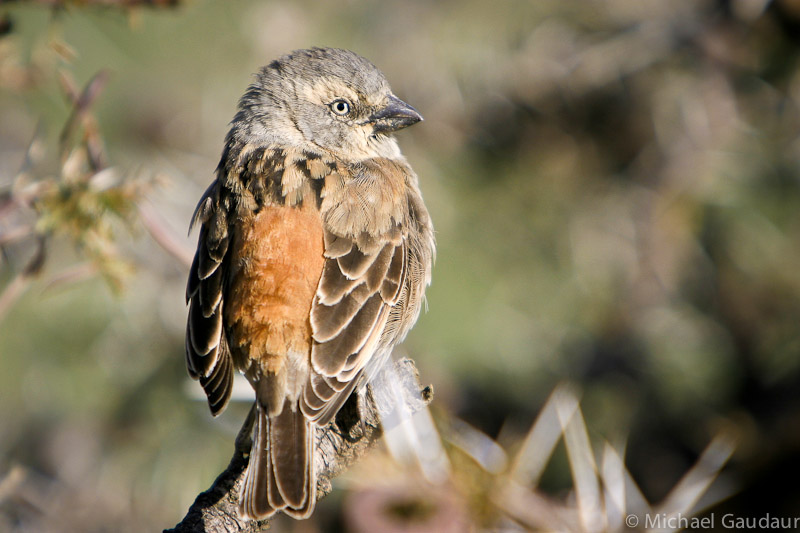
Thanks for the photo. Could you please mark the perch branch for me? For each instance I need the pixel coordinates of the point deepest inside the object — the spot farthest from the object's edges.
(339, 445)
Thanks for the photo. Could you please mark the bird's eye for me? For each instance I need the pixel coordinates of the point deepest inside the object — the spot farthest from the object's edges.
(340, 107)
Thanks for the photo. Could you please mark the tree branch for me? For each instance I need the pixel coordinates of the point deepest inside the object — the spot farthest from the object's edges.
(339, 445)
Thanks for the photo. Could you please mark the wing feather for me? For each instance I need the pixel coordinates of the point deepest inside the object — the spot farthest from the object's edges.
(333, 285)
(321, 388)
(380, 266)
(327, 321)
(210, 293)
(204, 332)
(349, 316)
(393, 280)
(329, 358)
(207, 356)
(218, 385)
(355, 264)
(336, 246)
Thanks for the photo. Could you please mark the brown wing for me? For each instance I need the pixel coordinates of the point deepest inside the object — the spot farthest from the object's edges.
(378, 253)
(207, 356)
(356, 293)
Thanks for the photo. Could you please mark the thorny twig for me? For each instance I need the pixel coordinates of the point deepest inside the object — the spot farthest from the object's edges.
(156, 227)
(81, 117)
(78, 202)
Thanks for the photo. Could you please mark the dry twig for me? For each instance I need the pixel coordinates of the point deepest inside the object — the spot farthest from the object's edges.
(339, 445)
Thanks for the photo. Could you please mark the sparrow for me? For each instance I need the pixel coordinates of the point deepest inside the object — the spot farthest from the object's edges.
(314, 251)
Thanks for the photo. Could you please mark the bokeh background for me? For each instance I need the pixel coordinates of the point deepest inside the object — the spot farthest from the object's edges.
(615, 187)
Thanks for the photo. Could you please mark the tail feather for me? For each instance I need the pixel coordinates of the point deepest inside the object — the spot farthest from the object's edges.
(254, 501)
(275, 498)
(280, 476)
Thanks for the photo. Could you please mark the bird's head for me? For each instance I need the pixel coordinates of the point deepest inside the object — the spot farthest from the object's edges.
(328, 98)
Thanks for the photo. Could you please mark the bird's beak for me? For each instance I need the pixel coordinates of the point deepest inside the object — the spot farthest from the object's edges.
(394, 116)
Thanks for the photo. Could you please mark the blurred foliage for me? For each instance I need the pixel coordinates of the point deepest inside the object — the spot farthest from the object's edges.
(616, 194)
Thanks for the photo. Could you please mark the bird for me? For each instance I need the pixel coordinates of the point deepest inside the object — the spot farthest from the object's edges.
(314, 252)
